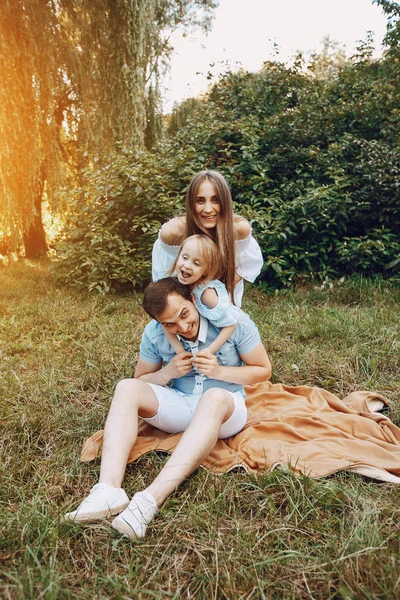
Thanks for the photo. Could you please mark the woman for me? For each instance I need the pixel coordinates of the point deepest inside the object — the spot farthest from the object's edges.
(209, 210)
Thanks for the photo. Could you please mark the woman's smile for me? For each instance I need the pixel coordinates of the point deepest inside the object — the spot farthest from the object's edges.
(209, 219)
(207, 206)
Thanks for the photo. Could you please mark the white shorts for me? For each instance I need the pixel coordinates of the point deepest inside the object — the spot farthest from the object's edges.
(176, 410)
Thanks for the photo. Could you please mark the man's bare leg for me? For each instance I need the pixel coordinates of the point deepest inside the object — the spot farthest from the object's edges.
(214, 408)
(107, 498)
(131, 398)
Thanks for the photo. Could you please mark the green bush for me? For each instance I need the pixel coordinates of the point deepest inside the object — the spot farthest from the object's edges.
(371, 253)
(118, 211)
(312, 163)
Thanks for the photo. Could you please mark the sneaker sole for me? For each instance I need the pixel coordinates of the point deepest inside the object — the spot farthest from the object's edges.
(95, 516)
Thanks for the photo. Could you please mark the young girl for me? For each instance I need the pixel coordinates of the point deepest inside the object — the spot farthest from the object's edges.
(199, 264)
(209, 211)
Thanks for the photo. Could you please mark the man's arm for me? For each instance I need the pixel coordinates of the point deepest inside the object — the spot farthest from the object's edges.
(257, 367)
(154, 373)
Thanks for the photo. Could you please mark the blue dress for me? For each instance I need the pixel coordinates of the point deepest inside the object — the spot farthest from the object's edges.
(249, 261)
(224, 313)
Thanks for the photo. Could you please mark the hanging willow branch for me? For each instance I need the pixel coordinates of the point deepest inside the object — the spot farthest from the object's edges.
(73, 87)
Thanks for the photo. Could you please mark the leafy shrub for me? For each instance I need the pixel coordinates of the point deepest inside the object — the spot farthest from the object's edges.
(370, 253)
(118, 211)
(312, 163)
(377, 185)
(299, 238)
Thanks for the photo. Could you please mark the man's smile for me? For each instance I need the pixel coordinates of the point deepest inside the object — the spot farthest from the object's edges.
(180, 317)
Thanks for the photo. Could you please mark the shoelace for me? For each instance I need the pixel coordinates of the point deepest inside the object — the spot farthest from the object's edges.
(145, 508)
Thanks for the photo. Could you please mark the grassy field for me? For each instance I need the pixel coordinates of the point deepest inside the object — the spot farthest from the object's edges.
(233, 536)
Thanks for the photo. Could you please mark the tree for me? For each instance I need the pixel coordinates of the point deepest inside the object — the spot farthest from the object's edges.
(392, 38)
(73, 89)
(328, 63)
(180, 114)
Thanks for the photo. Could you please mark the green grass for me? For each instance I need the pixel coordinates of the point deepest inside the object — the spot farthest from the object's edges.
(234, 536)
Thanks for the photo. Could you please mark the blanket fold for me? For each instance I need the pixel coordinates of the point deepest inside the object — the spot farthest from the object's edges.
(307, 429)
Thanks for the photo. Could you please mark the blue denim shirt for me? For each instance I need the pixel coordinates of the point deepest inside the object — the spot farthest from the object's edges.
(155, 348)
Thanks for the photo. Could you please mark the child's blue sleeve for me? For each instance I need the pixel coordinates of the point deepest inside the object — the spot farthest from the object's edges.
(224, 313)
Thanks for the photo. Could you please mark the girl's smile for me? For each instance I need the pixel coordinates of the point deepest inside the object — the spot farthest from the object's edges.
(190, 268)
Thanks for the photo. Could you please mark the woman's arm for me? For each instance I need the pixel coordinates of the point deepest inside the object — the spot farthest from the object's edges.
(165, 248)
(249, 259)
(241, 228)
(241, 231)
(173, 232)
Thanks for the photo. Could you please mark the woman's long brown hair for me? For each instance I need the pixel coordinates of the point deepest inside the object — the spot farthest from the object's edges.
(222, 235)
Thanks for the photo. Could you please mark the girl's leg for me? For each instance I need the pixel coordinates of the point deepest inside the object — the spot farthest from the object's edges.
(173, 340)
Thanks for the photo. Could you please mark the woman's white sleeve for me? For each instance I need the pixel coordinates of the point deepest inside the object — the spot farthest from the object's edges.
(249, 259)
(162, 259)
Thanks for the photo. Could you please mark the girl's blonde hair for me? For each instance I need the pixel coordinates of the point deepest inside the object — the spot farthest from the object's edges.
(209, 254)
(223, 233)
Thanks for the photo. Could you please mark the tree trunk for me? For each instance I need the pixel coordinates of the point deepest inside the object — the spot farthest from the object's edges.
(35, 238)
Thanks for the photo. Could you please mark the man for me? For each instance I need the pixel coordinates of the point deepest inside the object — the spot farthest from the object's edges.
(206, 401)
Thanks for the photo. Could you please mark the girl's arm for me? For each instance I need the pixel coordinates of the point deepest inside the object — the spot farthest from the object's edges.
(221, 338)
(173, 340)
(210, 298)
(256, 368)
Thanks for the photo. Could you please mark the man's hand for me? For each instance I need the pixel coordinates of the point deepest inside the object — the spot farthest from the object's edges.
(180, 365)
(206, 363)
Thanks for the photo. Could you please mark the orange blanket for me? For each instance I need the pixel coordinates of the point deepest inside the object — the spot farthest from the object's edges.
(306, 428)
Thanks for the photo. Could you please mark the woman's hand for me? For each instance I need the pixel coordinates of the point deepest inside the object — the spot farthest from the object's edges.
(207, 364)
(180, 365)
(173, 232)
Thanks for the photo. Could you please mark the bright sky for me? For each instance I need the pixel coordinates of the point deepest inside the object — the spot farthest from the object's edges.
(244, 32)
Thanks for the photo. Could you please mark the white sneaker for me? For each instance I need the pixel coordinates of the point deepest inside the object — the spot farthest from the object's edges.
(103, 501)
(133, 521)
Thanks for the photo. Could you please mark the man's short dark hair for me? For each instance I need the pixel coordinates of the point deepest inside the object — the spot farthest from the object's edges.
(156, 295)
